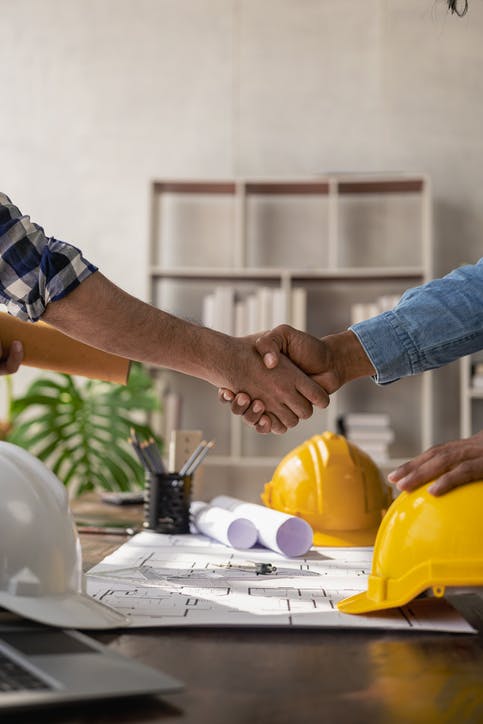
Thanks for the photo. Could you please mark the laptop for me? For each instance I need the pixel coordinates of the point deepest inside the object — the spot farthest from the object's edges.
(42, 666)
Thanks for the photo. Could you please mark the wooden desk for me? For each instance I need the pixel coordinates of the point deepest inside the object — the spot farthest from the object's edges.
(254, 676)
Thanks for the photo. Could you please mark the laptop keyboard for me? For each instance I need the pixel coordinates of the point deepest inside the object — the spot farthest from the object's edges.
(14, 677)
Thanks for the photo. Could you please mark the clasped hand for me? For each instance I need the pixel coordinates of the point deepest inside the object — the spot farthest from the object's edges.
(333, 361)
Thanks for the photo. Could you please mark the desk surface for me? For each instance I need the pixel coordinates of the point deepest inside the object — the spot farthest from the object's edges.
(250, 676)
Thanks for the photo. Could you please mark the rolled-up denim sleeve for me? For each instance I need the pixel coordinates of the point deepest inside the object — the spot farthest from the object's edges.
(432, 325)
(35, 269)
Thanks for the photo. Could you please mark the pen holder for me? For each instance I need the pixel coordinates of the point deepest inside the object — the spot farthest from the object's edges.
(167, 503)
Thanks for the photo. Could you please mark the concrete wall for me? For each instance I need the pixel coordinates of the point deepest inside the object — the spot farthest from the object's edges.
(101, 96)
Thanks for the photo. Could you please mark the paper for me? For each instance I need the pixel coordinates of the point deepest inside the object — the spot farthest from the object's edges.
(278, 531)
(222, 525)
(48, 349)
(189, 580)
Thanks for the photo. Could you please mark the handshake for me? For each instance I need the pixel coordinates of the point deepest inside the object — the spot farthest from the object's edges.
(305, 371)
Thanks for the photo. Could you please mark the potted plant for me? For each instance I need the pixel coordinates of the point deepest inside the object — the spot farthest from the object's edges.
(81, 428)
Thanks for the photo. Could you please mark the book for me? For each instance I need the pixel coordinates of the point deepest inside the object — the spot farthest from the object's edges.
(224, 309)
(367, 435)
(265, 308)
(280, 311)
(252, 314)
(299, 308)
(208, 311)
(240, 318)
(370, 419)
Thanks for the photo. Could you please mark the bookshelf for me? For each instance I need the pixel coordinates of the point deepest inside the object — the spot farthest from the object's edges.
(337, 239)
(471, 394)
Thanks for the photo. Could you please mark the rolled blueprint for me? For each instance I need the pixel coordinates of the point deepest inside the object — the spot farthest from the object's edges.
(222, 525)
(47, 348)
(286, 534)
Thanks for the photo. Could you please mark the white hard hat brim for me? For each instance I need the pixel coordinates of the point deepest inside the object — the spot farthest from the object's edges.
(68, 610)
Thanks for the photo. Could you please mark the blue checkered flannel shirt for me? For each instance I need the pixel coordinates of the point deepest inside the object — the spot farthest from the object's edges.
(34, 269)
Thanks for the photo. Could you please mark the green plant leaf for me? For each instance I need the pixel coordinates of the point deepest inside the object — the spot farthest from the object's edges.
(80, 429)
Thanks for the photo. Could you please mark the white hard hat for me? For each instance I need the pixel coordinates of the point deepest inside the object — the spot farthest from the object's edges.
(40, 555)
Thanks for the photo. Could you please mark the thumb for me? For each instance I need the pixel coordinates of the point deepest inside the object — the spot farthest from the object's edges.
(268, 347)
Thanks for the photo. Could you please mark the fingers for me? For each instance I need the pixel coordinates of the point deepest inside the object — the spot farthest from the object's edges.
(225, 395)
(416, 472)
(252, 412)
(285, 394)
(254, 415)
(313, 393)
(271, 421)
(466, 472)
(264, 425)
(301, 400)
(449, 465)
(13, 360)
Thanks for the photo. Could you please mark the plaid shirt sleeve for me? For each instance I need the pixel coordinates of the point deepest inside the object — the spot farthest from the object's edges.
(34, 269)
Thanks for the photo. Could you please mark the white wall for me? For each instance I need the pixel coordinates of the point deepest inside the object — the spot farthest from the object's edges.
(101, 96)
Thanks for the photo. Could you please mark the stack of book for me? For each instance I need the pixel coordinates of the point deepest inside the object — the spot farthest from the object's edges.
(372, 432)
(362, 311)
(226, 311)
(477, 375)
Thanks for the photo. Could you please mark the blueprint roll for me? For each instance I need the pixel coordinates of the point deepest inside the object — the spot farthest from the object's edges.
(47, 348)
(286, 534)
(222, 525)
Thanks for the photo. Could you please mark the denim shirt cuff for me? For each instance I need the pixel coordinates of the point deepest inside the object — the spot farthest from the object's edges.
(388, 346)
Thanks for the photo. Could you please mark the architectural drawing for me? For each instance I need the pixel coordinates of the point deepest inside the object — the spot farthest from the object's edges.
(162, 580)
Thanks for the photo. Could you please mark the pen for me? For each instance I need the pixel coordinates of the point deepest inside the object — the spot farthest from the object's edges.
(105, 530)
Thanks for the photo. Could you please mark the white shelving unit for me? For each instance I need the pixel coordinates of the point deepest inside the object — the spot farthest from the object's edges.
(471, 397)
(344, 239)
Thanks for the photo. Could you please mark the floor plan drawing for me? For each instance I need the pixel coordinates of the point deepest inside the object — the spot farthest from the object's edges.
(189, 580)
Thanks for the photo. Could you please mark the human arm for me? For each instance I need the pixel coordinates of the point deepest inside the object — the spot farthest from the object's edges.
(43, 277)
(432, 325)
(100, 313)
(449, 465)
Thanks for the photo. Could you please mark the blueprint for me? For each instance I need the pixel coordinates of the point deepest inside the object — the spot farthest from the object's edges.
(190, 580)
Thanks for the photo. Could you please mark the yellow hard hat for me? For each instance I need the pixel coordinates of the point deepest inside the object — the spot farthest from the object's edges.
(424, 542)
(334, 486)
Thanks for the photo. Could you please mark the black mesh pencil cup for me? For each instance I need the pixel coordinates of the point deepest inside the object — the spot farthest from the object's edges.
(167, 503)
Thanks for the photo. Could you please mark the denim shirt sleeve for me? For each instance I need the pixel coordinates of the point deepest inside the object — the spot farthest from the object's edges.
(432, 325)
(35, 269)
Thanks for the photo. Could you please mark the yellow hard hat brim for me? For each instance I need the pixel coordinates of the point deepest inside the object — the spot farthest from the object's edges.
(346, 538)
(361, 603)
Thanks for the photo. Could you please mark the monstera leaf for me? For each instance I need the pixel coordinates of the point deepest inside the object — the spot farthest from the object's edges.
(81, 429)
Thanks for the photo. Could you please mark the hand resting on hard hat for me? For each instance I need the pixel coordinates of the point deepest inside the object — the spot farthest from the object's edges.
(330, 361)
(450, 465)
(11, 358)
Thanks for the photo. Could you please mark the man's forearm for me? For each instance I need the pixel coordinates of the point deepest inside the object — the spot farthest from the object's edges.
(349, 357)
(100, 314)
(103, 315)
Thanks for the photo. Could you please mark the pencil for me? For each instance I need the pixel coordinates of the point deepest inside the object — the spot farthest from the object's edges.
(195, 464)
(192, 457)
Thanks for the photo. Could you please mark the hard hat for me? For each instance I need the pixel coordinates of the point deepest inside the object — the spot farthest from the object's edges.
(40, 555)
(334, 486)
(424, 542)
